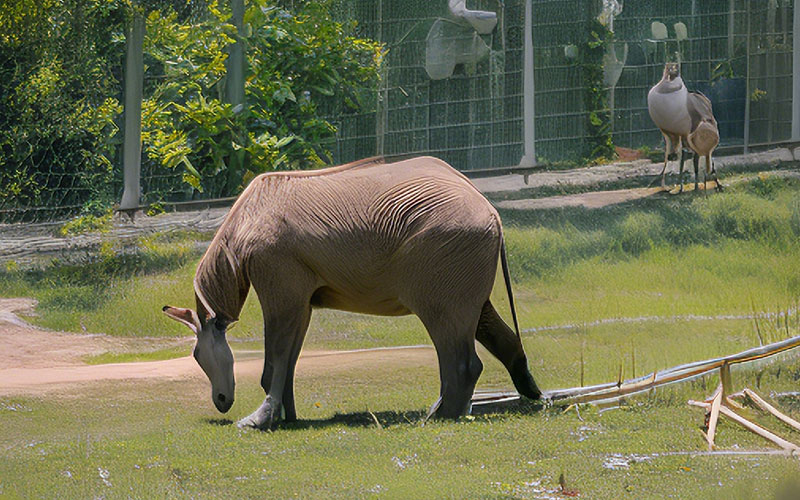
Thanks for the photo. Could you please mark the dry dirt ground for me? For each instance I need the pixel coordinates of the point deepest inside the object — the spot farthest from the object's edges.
(36, 361)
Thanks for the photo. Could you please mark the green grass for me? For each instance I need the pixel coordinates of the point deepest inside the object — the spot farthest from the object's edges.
(733, 254)
(729, 253)
(163, 439)
(130, 357)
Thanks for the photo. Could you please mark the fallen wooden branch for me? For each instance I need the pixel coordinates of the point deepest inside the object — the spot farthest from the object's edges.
(616, 390)
(713, 416)
(771, 409)
(752, 427)
(720, 403)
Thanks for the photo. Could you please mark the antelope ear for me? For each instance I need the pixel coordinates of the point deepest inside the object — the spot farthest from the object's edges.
(186, 316)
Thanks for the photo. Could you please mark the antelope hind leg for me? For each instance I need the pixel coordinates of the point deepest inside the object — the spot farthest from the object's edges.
(503, 343)
(453, 336)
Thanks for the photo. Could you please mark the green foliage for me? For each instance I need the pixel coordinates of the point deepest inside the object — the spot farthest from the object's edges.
(747, 217)
(299, 63)
(64, 289)
(639, 232)
(58, 101)
(61, 62)
(598, 143)
(88, 223)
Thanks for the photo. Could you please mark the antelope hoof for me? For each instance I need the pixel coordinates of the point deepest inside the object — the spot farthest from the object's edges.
(264, 418)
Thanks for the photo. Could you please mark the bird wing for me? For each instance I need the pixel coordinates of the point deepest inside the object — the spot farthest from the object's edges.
(700, 111)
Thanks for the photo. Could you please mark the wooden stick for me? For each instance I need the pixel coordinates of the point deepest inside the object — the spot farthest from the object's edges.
(613, 390)
(757, 429)
(786, 445)
(677, 373)
(771, 409)
(713, 417)
(725, 379)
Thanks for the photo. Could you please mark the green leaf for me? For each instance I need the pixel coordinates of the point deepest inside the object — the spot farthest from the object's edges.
(284, 141)
(190, 168)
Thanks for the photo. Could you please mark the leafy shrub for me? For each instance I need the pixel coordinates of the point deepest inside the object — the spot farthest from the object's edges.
(58, 102)
(88, 223)
(301, 64)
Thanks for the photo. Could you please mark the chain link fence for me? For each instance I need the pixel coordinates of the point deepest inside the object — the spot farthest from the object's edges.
(457, 91)
(737, 52)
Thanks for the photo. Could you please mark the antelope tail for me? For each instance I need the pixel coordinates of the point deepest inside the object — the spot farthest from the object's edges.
(507, 278)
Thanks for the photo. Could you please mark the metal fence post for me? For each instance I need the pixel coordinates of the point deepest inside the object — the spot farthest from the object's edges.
(234, 87)
(796, 72)
(529, 137)
(134, 75)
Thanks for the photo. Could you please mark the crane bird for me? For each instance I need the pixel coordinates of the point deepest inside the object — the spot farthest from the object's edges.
(684, 118)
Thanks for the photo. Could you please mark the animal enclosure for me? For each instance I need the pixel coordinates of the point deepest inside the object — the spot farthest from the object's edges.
(593, 63)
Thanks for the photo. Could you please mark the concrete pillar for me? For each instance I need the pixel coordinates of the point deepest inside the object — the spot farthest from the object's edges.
(132, 147)
(529, 136)
(796, 72)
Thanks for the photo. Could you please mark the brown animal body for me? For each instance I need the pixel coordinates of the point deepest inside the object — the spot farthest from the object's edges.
(413, 237)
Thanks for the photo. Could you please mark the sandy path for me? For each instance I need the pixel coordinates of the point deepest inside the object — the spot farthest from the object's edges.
(36, 361)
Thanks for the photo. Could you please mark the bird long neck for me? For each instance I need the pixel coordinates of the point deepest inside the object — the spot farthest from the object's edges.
(666, 86)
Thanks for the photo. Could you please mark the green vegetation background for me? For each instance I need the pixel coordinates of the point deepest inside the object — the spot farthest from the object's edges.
(61, 73)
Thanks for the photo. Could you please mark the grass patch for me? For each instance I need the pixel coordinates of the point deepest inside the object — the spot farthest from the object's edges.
(131, 357)
(729, 253)
(163, 439)
(733, 253)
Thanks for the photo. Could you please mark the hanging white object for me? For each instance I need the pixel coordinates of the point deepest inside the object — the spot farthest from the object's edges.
(659, 30)
(681, 33)
(449, 44)
(483, 21)
(611, 9)
(612, 65)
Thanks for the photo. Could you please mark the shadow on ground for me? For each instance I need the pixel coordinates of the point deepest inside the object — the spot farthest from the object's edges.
(385, 419)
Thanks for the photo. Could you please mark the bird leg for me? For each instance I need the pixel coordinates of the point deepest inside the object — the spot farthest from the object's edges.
(713, 172)
(664, 170)
(680, 171)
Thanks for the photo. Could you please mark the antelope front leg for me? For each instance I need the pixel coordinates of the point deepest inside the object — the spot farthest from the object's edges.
(282, 338)
(274, 376)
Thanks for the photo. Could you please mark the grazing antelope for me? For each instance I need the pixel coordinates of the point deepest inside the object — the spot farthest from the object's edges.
(684, 118)
(412, 237)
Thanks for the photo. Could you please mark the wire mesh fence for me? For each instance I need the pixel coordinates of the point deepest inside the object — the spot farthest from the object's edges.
(737, 52)
(456, 91)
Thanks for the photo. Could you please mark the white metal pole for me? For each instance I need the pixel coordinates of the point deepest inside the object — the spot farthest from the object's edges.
(796, 72)
(529, 137)
(234, 87)
(132, 148)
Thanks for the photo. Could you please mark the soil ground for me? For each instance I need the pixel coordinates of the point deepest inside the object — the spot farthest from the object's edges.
(36, 361)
